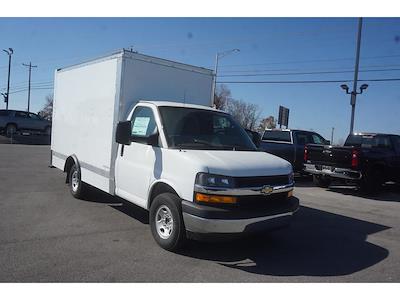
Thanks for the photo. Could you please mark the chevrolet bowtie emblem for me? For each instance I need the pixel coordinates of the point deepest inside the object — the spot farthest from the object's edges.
(267, 189)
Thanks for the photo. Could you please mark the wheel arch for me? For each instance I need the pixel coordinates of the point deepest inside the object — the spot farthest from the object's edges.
(69, 162)
(160, 187)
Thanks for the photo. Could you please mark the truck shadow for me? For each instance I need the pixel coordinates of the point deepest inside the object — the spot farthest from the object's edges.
(97, 196)
(318, 243)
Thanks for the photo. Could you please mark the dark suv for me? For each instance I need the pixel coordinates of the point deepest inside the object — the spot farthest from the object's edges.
(12, 121)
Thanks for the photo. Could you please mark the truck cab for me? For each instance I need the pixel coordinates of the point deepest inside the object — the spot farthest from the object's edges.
(198, 172)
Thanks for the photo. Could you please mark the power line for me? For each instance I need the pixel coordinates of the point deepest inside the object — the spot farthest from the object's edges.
(24, 90)
(308, 73)
(314, 69)
(312, 60)
(309, 81)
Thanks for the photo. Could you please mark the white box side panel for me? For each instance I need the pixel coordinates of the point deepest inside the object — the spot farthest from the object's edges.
(144, 80)
(83, 117)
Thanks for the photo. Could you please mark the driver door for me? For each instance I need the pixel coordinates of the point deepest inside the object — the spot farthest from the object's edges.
(135, 162)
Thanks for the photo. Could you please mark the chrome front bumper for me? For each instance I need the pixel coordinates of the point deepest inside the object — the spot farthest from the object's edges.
(333, 172)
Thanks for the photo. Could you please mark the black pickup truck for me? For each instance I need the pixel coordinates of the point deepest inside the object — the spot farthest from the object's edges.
(366, 159)
(289, 144)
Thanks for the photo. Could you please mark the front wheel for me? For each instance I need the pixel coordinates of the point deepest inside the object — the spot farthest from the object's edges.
(166, 222)
(76, 185)
(321, 181)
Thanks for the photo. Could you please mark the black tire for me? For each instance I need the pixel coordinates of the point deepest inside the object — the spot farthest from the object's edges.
(10, 130)
(371, 182)
(321, 181)
(170, 204)
(76, 185)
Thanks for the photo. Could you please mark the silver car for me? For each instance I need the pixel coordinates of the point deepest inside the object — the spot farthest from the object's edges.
(12, 121)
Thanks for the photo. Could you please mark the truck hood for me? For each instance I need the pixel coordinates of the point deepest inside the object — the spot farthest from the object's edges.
(239, 163)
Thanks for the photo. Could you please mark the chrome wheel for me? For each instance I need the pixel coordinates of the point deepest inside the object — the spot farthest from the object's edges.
(75, 181)
(164, 222)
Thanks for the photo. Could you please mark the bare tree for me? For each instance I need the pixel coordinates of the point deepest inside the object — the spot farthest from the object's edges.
(47, 110)
(247, 114)
(221, 97)
(267, 123)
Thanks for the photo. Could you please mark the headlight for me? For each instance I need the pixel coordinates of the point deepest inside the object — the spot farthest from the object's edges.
(211, 180)
(291, 177)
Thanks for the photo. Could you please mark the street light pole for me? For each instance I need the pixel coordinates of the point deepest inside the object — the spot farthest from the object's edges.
(29, 83)
(356, 67)
(219, 55)
(9, 52)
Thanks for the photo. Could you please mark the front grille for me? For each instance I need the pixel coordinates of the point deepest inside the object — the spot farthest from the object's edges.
(262, 201)
(243, 182)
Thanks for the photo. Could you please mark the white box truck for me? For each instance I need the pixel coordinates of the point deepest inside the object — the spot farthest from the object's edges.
(142, 128)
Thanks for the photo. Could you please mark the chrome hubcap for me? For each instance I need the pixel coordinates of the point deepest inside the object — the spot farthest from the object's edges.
(164, 222)
(75, 181)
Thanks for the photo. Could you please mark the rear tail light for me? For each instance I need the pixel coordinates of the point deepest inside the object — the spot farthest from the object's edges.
(354, 158)
(305, 153)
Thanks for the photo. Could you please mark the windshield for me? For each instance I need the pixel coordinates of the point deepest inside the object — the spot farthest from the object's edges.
(190, 128)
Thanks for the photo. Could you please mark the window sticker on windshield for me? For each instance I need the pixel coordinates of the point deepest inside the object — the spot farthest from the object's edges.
(140, 125)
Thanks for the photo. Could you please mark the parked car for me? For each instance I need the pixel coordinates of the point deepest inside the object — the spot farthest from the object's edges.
(366, 159)
(12, 121)
(193, 167)
(289, 144)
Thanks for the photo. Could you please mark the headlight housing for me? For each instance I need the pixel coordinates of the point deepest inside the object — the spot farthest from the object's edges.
(212, 180)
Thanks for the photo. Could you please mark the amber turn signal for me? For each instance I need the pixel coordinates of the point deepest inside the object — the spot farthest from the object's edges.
(290, 193)
(215, 198)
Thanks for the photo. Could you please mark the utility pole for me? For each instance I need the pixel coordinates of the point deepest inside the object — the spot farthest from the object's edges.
(333, 129)
(6, 96)
(219, 55)
(354, 92)
(30, 66)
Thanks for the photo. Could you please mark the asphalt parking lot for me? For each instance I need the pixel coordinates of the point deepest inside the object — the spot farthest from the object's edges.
(46, 235)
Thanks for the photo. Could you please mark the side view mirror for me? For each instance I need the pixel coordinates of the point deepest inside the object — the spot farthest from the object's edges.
(327, 142)
(123, 133)
(151, 139)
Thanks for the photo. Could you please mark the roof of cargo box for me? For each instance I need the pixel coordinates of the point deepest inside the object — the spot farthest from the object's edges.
(135, 55)
(178, 104)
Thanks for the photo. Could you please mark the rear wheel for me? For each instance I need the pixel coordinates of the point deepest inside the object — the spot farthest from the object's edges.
(11, 129)
(76, 186)
(322, 181)
(166, 222)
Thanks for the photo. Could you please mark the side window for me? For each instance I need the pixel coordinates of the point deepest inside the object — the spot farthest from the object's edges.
(302, 138)
(316, 139)
(382, 142)
(33, 116)
(21, 114)
(143, 121)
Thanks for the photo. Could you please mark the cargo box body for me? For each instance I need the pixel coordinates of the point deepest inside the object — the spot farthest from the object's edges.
(90, 99)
